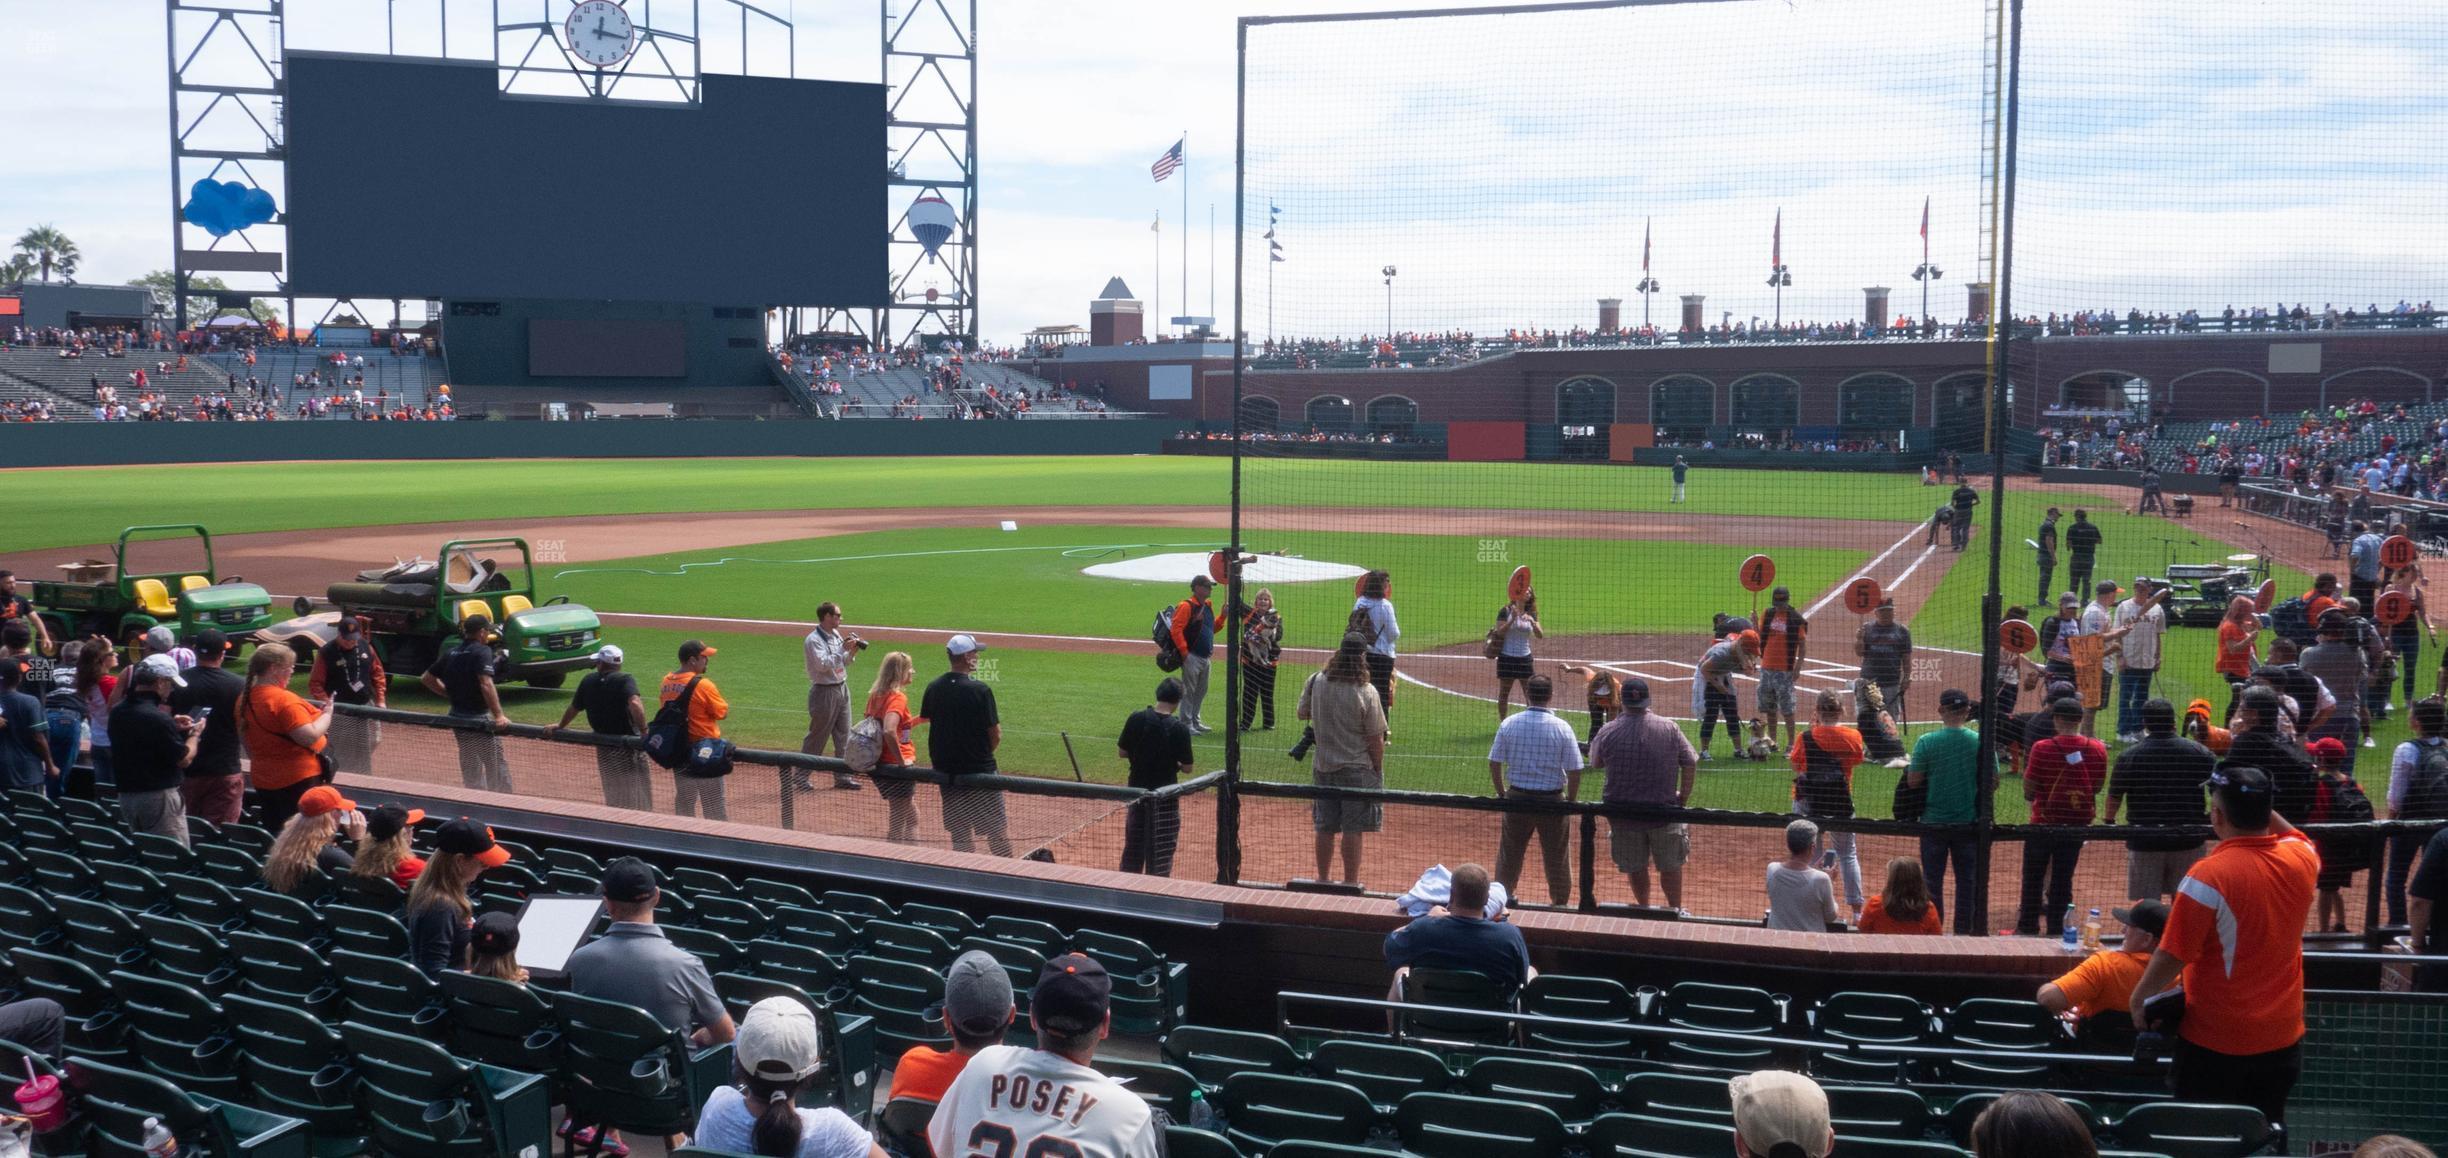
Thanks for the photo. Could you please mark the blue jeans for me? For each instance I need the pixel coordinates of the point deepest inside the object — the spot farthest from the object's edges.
(2133, 690)
(62, 723)
(1963, 852)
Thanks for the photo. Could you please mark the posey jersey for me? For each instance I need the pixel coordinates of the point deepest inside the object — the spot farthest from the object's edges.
(1010, 1102)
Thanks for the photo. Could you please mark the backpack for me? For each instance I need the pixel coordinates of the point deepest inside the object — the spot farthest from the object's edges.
(2426, 795)
(866, 745)
(2291, 619)
(2341, 801)
(667, 734)
(1359, 621)
(1168, 658)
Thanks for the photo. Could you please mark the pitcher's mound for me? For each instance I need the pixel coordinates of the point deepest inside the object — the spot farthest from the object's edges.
(1179, 567)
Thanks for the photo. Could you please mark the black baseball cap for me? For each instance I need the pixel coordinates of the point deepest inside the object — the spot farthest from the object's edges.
(386, 821)
(1073, 994)
(496, 933)
(629, 881)
(350, 625)
(209, 641)
(1634, 692)
(1954, 700)
(466, 837)
(2150, 916)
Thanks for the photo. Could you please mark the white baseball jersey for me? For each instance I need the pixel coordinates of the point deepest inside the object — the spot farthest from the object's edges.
(1010, 1102)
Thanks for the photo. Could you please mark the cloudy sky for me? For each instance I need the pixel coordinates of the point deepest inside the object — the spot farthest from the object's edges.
(2178, 153)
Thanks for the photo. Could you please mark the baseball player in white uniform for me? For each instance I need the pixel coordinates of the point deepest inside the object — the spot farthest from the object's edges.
(1010, 1102)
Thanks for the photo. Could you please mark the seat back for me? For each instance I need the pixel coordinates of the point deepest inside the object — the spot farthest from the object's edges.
(420, 1101)
(720, 954)
(100, 841)
(1719, 1009)
(1649, 1136)
(63, 872)
(1386, 1073)
(1037, 935)
(1168, 1088)
(732, 917)
(1967, 1109)
(469, 609)
(204, 900)
(390, 994)
(153, 598)
(27, 920)
(180, 1036)
(1877, 1112)
(188, 953)
(1190, 1142)
(1213, 1056)
(902, 1128)
(279, 915)
(278, 969)
(1574, 1093)
(300, 1066)
(1993, 1023)
(815, 928)
(1598, 1003)
(625, 1069)
(513, 604)
(2195, 1130)
(902, 941)
(798, 965)
(1266, 1108)
(117, 1101)
(163, 854)
(189, 583)
(1459, 989)
(1873, 1146)
(952, 923)
(502, 1023)
(1454, 1126)
(366, 931)
(857, 907)
(1684, 1096)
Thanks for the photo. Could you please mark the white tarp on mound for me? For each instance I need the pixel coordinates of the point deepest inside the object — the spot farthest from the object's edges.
(1178, 568)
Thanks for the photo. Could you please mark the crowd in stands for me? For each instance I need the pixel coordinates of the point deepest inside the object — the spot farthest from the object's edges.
(1783, 441)
(1311, 434)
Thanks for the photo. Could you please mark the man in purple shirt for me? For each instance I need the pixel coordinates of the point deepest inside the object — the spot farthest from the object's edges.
(1647, 760)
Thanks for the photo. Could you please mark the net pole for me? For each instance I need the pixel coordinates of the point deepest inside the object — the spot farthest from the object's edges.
(1228, 797)
(2000, 364)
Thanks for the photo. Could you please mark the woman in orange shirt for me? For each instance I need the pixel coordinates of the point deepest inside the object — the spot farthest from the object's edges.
(1906, 906)
(283, 732)
(2237, 635)
(888, 702)
(1823, 761)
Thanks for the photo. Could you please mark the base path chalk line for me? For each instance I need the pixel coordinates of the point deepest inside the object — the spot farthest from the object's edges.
(1813, 610)
(685, 568)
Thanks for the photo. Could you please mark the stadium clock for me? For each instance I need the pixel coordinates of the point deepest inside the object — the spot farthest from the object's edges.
(600, 33)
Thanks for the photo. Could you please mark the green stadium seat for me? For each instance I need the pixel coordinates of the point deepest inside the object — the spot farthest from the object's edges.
(252, 839)
(231, 866)
(368, 931)
(24, 802)
(2198, 1130)
(189, 954)
(1302, 1149)
(857, 908)
(771, 893)
(505, 889)
(1727, 1009)
(1020, 962)
(720, 954)
(1169, 1088)
(1573, 1093)
(1386, 1073)
(901, 941)
(1456, 989)
(162, 854)
(1647, 1136)
(1998, 1024)
(276, 915)
(571, 883)
(1188, 1142)
(1878, 1147)
(75, 810)
(1265, 1108)
(180, 1036)
(390, 994)
(560, 859)
(1037, 935)
(424, 1103)
(379, 894)
(901, 1128)
(27, 920)
(299, 1067)
(133, 887)
(952, 923)
(117, 1101)
(814, 928)
(96, 1028)
(1690, 1097)
(905, 1001)
(101, 936)
(809, 969)
(1213, 1056)
(1150, 994)
(1597, 1002)
(1453, 1126)
(624, 1070)
(732, 917)
(1872, 1019)
(207, 902)
(1959, 1117)
(1877, 1112)
(502, 1023)
(201, 831)
(701, 884)
(279, 969)
(104, 841)
(60, 874)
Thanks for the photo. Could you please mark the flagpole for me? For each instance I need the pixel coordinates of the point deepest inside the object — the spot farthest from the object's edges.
(1211, 309)
(1159, 282)
(1185, 261)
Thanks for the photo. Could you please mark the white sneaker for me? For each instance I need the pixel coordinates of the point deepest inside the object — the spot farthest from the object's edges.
(2367, 742)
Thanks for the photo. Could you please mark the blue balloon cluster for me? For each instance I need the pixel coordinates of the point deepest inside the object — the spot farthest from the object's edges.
(222, 208)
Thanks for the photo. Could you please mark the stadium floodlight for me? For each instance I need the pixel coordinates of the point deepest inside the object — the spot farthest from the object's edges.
(1389, 282)
(1926, 273)
(1780, 277)
(1647, 286)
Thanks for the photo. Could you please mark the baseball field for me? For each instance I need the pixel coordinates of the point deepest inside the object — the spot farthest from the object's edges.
(739, 553)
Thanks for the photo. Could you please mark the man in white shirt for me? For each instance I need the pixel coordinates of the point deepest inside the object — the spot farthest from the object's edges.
(2099, 618)
(2142, 621)
(1010, 1102)
(1535, 757)
(829, 652)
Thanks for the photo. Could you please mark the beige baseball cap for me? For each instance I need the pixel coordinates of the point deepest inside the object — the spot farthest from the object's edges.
(1774, 1108)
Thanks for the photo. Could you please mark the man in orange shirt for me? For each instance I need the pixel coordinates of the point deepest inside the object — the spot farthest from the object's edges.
(702, 795)
(2104, 982)
(977, 1009)
(1782, 632)
(2236, 936)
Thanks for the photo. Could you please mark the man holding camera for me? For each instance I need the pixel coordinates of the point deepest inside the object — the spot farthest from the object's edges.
(829, 652)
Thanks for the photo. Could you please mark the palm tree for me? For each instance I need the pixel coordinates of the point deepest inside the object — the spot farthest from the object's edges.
(49, 249)
(16, 269)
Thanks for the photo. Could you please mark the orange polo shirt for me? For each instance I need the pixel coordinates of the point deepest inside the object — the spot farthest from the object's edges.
(2104, 982)
(706, 709)
(2238, 927)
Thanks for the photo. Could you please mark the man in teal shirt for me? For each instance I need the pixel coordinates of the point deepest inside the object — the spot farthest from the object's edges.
(1947, 762)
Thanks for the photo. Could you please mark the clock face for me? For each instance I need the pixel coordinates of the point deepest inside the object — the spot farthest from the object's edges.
(600, 33)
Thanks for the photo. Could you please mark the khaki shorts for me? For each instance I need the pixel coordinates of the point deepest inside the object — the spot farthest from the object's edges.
(1776, 692)
(1347, 815)
(1635, 849)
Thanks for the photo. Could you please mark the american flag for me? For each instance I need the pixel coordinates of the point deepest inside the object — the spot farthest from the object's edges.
(1172, 159)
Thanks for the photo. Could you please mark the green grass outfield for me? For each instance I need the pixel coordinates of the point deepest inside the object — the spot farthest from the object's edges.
(73, 506)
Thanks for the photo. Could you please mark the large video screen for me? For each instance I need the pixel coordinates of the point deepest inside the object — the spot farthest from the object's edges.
(576, 348)
(417, 178)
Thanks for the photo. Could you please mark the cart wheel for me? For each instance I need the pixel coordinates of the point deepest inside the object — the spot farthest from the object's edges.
(548, 680)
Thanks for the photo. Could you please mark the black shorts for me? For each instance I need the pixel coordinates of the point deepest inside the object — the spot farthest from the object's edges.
(1515, 667)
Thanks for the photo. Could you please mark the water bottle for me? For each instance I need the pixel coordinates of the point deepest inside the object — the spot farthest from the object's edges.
(1202, 1116)
(2073, 932)
(2091, 932)
(159, 1142)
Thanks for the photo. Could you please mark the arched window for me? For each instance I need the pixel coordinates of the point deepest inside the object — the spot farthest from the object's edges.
(1682, 407)
(1259, 415)
(1767, 403)
(1586, 402)
(1329, 412)
(1875, 403)
(1959, 410)
(1392, 414)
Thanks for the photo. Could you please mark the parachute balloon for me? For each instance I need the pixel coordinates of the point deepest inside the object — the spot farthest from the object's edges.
(931, 221)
